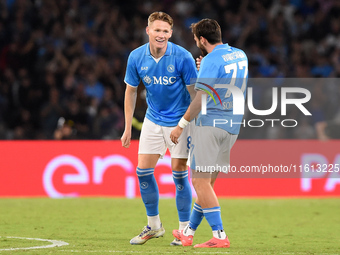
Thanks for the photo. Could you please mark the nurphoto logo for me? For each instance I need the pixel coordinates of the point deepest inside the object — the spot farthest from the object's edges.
(238, 104)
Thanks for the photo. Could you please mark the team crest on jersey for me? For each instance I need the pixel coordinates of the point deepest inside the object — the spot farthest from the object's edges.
(147, 79)
(171, 68)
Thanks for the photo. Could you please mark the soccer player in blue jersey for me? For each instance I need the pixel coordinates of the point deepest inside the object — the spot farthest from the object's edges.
(216, 128)
(165, 69)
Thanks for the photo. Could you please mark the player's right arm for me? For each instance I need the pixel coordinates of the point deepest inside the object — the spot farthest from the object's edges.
(132, 81)
(129, 108)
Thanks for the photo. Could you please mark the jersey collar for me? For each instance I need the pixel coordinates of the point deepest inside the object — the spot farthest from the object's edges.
(222, 46)
(168, 51)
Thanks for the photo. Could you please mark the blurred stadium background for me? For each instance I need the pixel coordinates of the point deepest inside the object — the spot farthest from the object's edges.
(65, 59)
(62, 66)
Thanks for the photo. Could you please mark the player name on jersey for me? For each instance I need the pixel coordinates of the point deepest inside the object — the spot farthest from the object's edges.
(233, 56)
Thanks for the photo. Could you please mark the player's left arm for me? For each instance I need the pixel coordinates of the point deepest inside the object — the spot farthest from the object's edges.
(189, 74)
(192, 91)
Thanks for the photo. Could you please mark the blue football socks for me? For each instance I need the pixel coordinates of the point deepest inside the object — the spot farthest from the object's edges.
(196, 216)
(148, 190)
(183, 194)
(213, 216)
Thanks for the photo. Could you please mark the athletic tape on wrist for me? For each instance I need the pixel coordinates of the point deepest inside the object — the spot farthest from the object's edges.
(183, 123)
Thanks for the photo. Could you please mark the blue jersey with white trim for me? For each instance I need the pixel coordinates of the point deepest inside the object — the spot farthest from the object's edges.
(225, 66)
(165, 82)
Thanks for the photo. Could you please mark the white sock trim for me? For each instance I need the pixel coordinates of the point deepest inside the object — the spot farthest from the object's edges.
(188, 231)
(154, 222)
(182, 224)
(219, 234)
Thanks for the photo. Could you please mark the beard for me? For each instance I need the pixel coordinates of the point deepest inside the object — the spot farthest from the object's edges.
(203, 50)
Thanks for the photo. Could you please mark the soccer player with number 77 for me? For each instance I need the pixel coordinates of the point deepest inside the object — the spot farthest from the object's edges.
(222, 66)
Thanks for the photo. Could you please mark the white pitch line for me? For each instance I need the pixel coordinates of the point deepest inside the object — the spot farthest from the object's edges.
(55, 243)
(194, 252)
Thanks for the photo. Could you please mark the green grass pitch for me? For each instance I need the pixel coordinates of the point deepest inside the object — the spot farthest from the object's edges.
(105, 226)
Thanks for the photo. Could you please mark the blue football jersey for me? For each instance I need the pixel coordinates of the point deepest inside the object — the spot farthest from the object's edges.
(165, 81)
(225, 65)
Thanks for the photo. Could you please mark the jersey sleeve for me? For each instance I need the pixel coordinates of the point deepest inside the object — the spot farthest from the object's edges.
(131, 75)
(205, 75)
(189, 70)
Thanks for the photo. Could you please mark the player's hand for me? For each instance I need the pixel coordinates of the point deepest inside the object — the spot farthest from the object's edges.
(175, 134)
(198, 62)
(126, 139)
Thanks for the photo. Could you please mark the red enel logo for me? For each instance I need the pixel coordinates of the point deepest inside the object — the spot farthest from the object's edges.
(82, 176)
(104, 168)
(99, 167)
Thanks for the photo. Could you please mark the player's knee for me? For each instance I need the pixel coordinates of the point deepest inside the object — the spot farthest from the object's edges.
(212, 182)
(198, 183)
(179, 165)
(195, 183)
(180, 169)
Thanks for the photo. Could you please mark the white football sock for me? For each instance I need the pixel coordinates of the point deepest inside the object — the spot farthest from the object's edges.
(188, 231)
(220, 234)
(154, 222)
(182, 224)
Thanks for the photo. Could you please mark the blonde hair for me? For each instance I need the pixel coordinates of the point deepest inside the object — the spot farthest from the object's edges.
(160, 16)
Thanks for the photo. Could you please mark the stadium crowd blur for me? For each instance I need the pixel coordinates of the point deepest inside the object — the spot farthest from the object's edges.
(62, 62)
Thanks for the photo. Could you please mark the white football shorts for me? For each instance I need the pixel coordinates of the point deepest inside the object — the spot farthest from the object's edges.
(155, 139)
